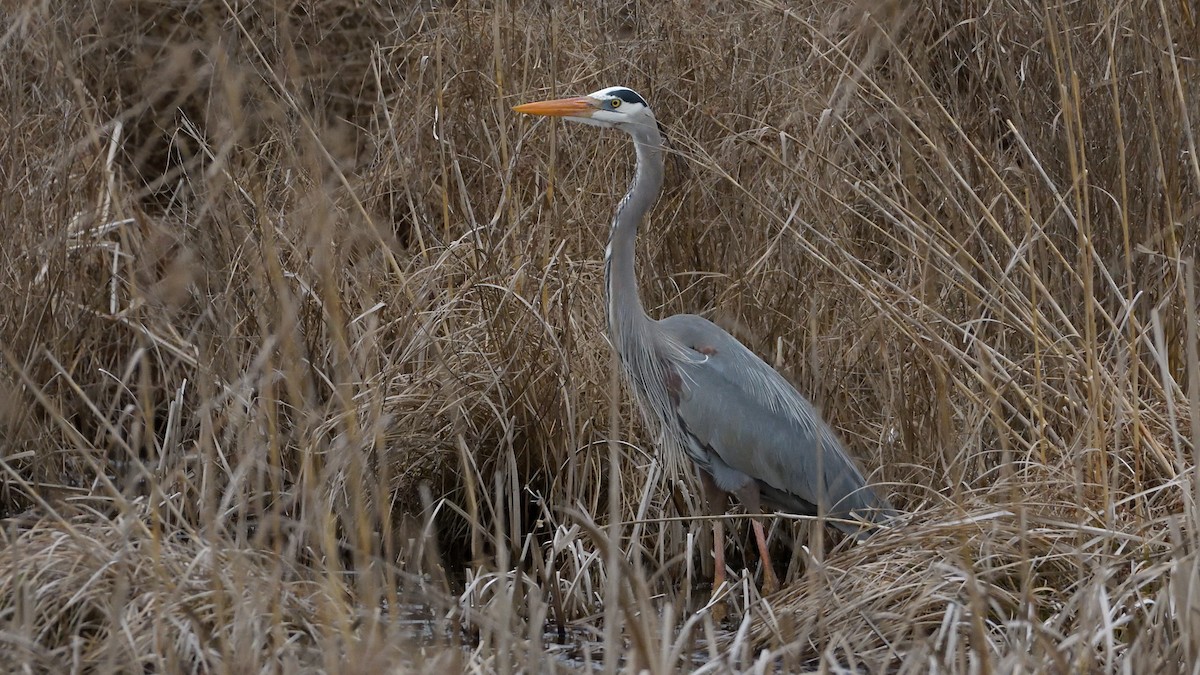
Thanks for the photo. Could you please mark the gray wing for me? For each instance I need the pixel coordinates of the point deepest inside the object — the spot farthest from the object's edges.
(743, 420)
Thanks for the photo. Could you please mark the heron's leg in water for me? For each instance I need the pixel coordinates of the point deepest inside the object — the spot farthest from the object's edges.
(716, 498)
(749, 497)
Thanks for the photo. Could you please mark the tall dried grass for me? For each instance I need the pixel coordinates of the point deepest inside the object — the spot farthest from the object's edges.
(304, 366)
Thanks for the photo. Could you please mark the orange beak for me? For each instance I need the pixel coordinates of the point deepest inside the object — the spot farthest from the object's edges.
(578, 106)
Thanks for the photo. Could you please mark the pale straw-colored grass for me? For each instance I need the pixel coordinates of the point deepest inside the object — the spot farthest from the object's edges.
(304, 364)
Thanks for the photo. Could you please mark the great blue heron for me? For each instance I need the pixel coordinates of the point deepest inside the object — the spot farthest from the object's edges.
(747, 429)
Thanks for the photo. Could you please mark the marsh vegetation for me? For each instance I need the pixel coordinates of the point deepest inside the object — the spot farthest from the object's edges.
(304, 365)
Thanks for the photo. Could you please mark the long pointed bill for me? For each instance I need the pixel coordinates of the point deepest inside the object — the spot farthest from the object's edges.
(578, 106)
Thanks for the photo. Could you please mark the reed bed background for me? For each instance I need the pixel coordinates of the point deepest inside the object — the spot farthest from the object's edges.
(304, 364)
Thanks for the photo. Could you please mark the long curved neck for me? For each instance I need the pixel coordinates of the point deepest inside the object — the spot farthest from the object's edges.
(626, 316)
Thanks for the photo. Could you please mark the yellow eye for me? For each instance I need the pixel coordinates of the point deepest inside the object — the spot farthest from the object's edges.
(615, 103)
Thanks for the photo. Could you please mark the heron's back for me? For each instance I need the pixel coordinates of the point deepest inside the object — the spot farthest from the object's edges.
(757, 425)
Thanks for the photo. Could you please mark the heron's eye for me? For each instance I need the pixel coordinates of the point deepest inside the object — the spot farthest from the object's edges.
(614, 103)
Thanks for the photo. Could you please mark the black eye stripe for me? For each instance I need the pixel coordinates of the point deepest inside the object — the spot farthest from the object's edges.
(628, 96)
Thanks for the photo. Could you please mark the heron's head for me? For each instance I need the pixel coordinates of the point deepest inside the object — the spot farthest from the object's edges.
(618, 107)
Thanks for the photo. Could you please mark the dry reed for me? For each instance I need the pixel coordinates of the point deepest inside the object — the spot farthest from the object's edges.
(303, 354)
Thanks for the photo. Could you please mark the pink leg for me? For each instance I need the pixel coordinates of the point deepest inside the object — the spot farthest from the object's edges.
(715, 498)
(770, 582)
(748, 495)
(718, 554)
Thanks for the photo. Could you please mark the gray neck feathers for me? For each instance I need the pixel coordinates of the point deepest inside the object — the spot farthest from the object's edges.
(643, 349)
(626, 316)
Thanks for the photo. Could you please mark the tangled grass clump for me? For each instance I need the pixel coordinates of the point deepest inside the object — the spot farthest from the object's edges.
(303, 355)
